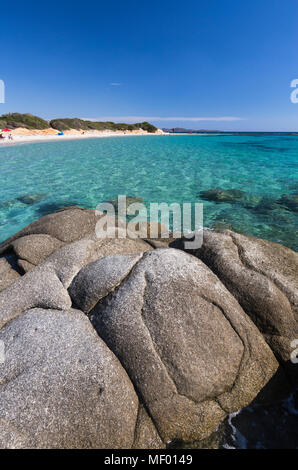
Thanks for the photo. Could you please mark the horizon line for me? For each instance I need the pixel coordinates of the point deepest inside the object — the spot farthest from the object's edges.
(164, 119)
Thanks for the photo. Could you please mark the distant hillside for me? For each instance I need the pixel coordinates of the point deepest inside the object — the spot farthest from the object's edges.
(63, 124)
(28, 121)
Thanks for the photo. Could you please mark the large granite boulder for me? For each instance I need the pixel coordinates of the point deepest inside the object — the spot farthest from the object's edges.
(61, 386)
(96, 280)
(40, 288)
(188, 347)
(33, 244)
(262, 276)
(65, 225)
(35, 248)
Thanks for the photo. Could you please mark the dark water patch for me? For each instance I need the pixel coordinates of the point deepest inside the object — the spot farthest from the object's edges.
(290, 201)
(267, 205)
(256, 146)
(265, 426)
(49, 207)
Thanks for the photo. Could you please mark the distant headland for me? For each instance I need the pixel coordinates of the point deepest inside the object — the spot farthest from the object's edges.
(182, 130)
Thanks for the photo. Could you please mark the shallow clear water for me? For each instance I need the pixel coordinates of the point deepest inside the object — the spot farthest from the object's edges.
(157, 169)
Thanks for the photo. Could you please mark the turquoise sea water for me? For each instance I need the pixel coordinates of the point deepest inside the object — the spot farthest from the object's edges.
(158, 169)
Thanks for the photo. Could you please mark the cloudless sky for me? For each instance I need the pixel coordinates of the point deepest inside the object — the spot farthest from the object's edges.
(124, 60)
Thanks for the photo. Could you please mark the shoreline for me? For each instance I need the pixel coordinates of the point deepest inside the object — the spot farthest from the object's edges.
(39, 138)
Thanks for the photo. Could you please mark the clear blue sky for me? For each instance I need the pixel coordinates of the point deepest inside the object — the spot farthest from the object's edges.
(160, 59)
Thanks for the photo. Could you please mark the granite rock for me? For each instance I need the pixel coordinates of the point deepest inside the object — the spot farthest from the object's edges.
(61, 387)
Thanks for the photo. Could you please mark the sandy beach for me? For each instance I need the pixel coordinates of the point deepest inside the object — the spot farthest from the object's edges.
(23, 136)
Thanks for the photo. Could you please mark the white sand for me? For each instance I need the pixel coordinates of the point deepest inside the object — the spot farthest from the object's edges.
(22, 136)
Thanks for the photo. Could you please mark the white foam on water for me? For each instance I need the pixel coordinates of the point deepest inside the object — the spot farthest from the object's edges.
(236, 436)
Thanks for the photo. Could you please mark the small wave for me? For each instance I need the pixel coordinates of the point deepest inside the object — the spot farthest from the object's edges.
(238, 440)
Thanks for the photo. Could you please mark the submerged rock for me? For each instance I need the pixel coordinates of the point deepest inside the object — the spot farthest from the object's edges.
(31, 198)
(290, 201)
(221, 225)
(266, 206)
(246, 200)
(223, 195)
(129, 200)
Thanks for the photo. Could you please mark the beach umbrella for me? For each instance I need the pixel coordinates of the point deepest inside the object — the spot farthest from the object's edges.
(6, 130)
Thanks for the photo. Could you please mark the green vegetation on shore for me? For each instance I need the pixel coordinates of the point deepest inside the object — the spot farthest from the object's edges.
(28, 121)
(64, 124)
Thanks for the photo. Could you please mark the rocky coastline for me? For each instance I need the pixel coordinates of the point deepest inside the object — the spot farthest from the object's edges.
(136, 343)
